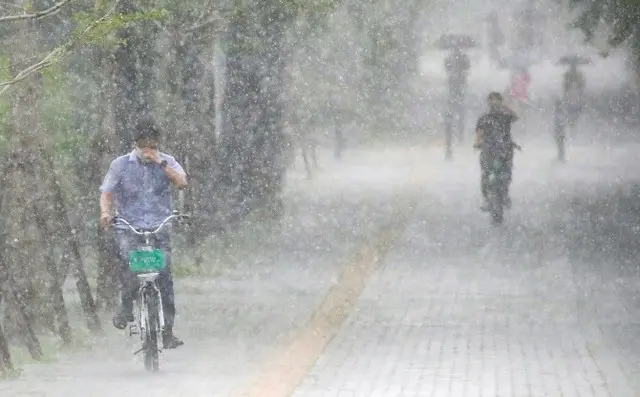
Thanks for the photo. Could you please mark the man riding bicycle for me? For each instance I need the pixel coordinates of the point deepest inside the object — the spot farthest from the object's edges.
(138, 185)
(493, 138)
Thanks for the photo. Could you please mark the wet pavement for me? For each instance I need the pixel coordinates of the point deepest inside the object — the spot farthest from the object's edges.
(546, 305)
(463, 309)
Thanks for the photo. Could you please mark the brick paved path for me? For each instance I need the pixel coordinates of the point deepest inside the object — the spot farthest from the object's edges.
(462, 309)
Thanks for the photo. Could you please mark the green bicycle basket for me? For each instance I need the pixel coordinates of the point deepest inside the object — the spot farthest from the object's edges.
(147, 261)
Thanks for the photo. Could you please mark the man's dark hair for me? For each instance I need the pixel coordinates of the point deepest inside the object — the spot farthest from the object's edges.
(495, 95)
(146, 128)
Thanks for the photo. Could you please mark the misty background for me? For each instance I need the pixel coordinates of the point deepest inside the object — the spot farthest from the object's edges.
(245, 91)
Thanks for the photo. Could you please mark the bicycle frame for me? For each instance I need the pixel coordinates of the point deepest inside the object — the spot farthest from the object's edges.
(148, 287)
(497, 188)
(148, 281)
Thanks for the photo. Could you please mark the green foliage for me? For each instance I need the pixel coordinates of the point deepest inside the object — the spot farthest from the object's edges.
(105, 30)
(55, 96)
(310, 10)
(253, 17)
(56, 110)
(622, 15)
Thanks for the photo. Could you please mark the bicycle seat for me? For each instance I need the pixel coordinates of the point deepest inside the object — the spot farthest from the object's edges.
(148, 277)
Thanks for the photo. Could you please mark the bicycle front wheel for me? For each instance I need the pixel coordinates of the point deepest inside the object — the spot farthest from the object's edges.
(150, 348)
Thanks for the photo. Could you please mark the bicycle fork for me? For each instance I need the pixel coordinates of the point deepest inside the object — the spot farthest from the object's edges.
(143, 315)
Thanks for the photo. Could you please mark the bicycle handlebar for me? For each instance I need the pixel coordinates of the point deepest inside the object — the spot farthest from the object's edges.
(175, 215)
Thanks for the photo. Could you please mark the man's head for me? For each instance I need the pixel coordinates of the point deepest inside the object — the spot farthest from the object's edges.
(146, 134)
(494, 100)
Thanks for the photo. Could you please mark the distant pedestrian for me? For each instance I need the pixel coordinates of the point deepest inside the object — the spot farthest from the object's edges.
(560, 120)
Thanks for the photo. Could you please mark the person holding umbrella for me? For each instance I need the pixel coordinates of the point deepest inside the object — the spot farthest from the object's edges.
(457, 65)
(573, 87)
(559, 124)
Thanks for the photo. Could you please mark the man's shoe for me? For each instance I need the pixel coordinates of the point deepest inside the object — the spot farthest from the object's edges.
(122, 317)
(170, 341)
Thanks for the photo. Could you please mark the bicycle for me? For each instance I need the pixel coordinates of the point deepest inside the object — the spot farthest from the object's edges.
(146, 263)
(498, 185)
(497, 190)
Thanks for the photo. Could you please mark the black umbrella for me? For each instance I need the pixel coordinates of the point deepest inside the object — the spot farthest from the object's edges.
(449, 41)
(574, 60)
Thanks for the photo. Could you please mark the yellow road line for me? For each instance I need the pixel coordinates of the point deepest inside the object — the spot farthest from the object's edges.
(284, 373)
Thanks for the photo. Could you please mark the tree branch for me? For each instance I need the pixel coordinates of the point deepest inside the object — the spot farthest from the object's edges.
(36, 15)
(4, 3)
(50, 58)
(204, 24)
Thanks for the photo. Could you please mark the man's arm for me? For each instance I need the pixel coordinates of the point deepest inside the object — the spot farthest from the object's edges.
(479, 134)
(106, 203)
(173, 170)
(175, 173)
(513, 116)
(109, 185)
(479, 138)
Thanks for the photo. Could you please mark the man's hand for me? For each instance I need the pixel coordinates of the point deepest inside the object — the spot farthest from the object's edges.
(178, 179)
(106, 204)
(105, 220)
(152, 155)
(504, 108)
(477, 144)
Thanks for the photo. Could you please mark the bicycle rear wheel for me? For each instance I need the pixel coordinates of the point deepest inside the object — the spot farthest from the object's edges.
(150, 348)
(496, 202)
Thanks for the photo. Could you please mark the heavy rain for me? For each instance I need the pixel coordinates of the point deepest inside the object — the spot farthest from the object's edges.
(339, 198)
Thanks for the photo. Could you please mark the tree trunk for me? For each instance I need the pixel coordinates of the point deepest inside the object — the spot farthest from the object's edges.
(6, 365)
(21, 188)
(198, 141)
(106, 143)
(251, 161)
(107, 281)
(23, 321)
(55, 287)
(82, 284)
